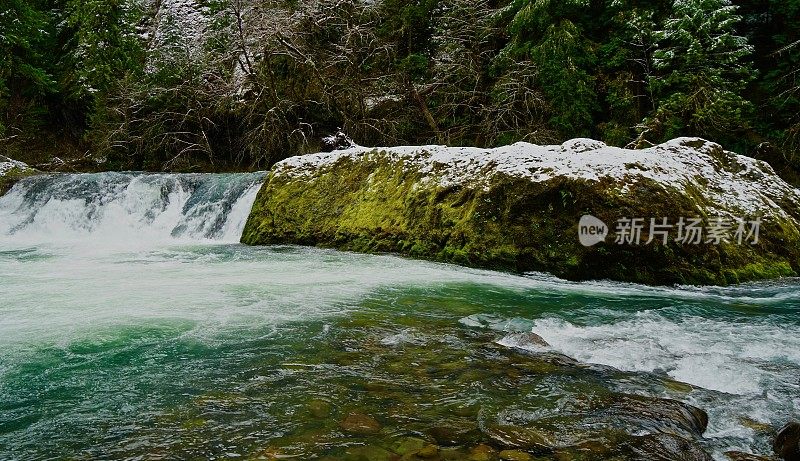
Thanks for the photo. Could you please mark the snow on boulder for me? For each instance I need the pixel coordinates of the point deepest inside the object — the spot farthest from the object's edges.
(686, 211)
(11, 171)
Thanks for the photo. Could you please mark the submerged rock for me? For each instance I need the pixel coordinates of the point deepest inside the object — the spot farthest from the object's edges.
(319, 408)
(409, 445)
(651, 447)
(518, 208)
(525, 340)
(662, 415)
(756, 426)
(741, 456)
(482, 452)
(667, 447)
(515, 455)
(787, 442)
(511, 437)
(453, 436)
(360, 423)
(12, 171)
(370, 453)
(428, 451)
(677, 386)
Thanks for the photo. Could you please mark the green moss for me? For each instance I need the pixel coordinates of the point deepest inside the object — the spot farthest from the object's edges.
(11, 177)
(376, 204)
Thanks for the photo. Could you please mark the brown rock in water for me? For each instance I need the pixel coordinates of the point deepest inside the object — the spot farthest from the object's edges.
(515, 455)
(370, 453)
(667, 447)
(527, 339)
(526, 438)
(319, 408)
(482, 452)
(740, 456)
(757, 426)
(451, 436)
(677, 386)
(360, 423)
(787, 442)
(429, 451)
(409, 445)
(659, 415)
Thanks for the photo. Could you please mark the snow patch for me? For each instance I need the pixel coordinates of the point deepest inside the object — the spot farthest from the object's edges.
(7, 164)
(180, 26)
(733, 184)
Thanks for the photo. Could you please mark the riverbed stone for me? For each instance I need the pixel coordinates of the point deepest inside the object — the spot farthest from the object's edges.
(757, 426)
(453, 453)
(515, 437)
(452, 435)
(515, 455)
(319, 408)
(370, 453)
(677, 386)
(667, 447)
(360, 423)
(787, 442)
(663, 415)
(428, 451)
(741, 456)
(482, 452)
(409, 445)
(468, 410)
(525, 340)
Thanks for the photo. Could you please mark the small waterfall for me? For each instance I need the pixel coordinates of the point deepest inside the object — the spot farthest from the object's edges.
(121, 207)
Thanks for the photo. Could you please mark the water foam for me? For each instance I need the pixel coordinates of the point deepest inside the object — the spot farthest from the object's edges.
(128, 207)
(724, 356)
(744, 368)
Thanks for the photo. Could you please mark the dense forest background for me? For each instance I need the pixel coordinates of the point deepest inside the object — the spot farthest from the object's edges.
(239, 84)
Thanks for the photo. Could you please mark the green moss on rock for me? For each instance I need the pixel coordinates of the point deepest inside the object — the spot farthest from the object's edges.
(10, 176)
(383, 203)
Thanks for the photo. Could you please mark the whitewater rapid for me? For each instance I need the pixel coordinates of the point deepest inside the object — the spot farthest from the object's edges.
(128, 208)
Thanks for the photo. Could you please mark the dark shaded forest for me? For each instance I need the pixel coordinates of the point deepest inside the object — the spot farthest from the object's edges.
(224, 85)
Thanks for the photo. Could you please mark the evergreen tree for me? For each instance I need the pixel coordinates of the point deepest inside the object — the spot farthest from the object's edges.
(626, 68)
(703, 70)
(781, 82)
(23, 69)
(549, 33)
(104, 45)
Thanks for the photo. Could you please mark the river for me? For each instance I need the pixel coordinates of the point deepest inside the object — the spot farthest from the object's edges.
(134, 326)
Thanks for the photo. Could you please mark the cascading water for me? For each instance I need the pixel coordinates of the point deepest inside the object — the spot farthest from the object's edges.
(129, 207)
(134, 326)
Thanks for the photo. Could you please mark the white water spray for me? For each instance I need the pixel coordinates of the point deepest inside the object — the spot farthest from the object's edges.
(124, 208)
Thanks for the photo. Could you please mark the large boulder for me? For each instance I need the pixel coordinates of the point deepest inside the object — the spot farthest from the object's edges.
(12, 171)
(518, 208)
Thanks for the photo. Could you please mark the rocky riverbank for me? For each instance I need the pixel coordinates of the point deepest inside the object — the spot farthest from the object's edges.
(729, 218)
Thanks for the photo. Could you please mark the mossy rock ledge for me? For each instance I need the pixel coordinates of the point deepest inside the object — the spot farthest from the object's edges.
(517, 208)
(12, 171)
